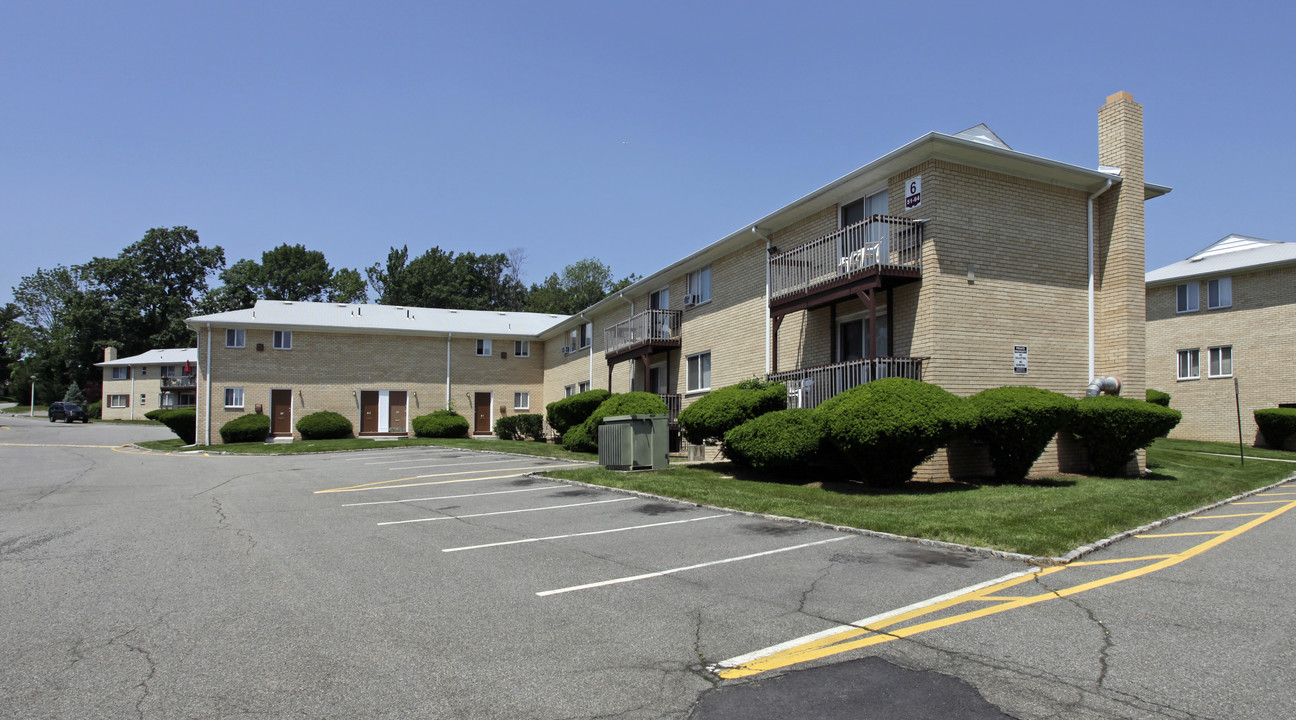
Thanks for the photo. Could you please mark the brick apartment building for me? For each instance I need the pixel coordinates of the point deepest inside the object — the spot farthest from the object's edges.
(953, 259)
(156, 379)
(1224, 315)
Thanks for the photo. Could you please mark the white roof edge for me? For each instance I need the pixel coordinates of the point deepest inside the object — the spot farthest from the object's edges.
(154, 357)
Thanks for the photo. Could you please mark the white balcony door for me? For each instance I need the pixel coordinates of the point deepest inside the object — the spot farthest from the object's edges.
(858, 211)
(853, 338)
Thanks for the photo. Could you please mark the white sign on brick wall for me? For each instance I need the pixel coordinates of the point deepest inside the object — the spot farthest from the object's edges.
(913, 192)
(1021, 359)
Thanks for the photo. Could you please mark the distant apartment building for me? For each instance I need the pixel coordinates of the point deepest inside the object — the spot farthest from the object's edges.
(954, 259)
(1220, 318)
(156, 379)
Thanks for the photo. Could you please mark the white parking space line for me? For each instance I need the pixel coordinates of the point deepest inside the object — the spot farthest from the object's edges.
(455, 497)
(459, 464)
(582, 534)
(505, 512)
(646, 576)
(386, 484)
(369, 454)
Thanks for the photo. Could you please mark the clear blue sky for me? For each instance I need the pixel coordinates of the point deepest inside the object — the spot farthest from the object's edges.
(637, 133)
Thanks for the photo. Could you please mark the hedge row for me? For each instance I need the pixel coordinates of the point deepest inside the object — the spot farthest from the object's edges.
(584, 437)
(884, 429)
(440, 424)
(573, 410)
(708, 418)
(1276, 425)
(183, 422)
(324, 425)
(246, 428)
(520, 427)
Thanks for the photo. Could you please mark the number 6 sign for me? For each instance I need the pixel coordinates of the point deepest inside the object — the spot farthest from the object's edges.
(913, 192)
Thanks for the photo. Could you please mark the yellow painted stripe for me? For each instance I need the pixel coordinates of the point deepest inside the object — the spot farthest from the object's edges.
(1161, 535)
(386, 484)
(998, 598)
(1216, 517)
(1085, 563)
(847, 639)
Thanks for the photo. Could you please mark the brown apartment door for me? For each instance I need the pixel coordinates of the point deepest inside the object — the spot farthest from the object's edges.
(281, 412)
(397, 419)
(368, 411)
(482, 405)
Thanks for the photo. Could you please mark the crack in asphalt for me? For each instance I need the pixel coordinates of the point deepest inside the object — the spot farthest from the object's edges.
(223, 524)
(1107, 644)
(91, 466)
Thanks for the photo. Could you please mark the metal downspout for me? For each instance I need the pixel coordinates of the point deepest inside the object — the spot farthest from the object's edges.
(1102, 190)
(448, 336)
(207, 373)
(762, 236)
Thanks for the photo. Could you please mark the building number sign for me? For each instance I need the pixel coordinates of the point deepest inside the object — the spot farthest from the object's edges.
(913, 192)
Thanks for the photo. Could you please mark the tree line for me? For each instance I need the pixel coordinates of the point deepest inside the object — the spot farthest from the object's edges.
(62, 318)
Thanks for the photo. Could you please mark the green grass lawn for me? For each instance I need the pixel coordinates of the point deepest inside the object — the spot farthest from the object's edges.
(520, 447)
(27, 409)
(1047, 517)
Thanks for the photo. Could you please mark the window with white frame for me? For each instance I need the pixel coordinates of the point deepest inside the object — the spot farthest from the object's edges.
(118, 401)
(521, 401)
(120, 373)
(521, 348)
(483, 346)
(168, 400)
(1219, 293)
(166, 370)
(143, 370)
(1186, 298)
(587, 334)
(583, 386)
(1189, 368)
(235, 338)
(234, 397)
(1220, 361)
(283, 339)
(569, 390)
(143, 400)
(698, 289)
(699, 372)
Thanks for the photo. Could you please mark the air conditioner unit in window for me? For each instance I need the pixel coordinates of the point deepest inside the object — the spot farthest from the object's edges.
(692, 300)
(568, 350)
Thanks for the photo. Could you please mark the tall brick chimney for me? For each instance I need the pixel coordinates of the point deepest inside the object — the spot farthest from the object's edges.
(110, 354)
(1120, 339)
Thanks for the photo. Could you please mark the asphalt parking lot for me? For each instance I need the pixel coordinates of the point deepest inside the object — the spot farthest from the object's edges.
(431, 582)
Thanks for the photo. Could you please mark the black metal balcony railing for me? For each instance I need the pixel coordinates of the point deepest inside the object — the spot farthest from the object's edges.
(879, 242)
(650, 327)
(808, 387)
(178, 381)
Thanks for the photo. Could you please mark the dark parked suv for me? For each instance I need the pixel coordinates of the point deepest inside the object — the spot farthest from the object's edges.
(67, 412)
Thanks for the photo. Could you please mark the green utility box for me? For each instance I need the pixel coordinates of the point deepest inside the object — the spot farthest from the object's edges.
(634, 442)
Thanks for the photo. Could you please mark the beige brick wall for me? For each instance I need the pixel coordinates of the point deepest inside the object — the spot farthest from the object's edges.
(1259, 328)
(327, 371)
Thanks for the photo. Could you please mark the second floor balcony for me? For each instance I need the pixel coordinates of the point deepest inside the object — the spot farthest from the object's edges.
(175, 382)
(643, 333)
(883, 249)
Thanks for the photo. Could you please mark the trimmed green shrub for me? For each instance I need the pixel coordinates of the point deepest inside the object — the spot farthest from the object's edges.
(1016, 424)
(1156, 397)
(573, 410)
(584, 437)
(709, 417)
(246, 428)
(520, 427)
(1113, 428)
(95, 410)
(884, 429)
(183, 422)
(155, 414)
(1276, 425)
(441, 424)
(324, 425)
(779, 440)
